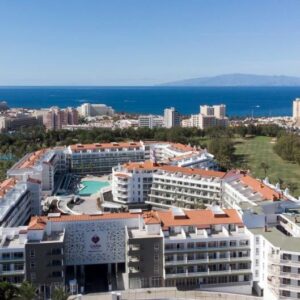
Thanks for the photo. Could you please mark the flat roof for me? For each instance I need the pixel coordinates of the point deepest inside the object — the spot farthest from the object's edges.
(278, 239)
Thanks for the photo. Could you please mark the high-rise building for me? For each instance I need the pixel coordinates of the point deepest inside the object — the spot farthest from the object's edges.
(219, 111)
(171, 118)
(93, 110)
(206, 110)
(151, 121)
(56, 118)
(296, 110)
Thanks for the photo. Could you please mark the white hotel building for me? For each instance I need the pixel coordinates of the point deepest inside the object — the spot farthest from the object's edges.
(251, 242)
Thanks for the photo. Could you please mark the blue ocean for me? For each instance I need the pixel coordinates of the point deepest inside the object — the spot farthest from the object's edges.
(240, 101)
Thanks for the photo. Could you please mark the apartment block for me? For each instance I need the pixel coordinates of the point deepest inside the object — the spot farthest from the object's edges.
(183, 187)
(12, 254)
(55, 118)
(171, 118)
(150, 121)
(93, 110)
(99, 158)
(296, 111)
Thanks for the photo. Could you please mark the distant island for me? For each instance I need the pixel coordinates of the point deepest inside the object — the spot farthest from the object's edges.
(240, 80)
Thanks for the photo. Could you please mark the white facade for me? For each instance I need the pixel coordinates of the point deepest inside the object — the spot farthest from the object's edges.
(12, 254)
(92, 110)
(151, 121)
(171, 118)
(296, 110)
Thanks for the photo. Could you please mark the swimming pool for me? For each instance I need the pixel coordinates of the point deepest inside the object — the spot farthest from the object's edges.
(92, 187)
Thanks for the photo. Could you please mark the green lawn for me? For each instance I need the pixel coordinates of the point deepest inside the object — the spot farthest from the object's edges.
(254, 151)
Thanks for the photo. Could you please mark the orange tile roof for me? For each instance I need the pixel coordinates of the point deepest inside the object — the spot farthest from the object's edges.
(199, 218)
(146, 165)
(7, 185)
(105, 146)
(189, 171)
(259, 187)
(149, 165)
(151, 217)
(31, 160)
(38, 223)
(182, 147)
(121, 175)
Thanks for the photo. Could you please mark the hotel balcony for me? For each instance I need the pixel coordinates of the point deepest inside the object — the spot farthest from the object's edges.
(12, 272)
(208, 273)
(133, 270)
(207, 261)
(207, 249)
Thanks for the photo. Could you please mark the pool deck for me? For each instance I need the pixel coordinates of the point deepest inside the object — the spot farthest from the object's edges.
(88, 206)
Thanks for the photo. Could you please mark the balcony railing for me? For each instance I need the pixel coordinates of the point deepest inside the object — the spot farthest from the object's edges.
(208, 273)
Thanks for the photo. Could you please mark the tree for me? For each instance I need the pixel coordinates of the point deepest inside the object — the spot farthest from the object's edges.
(8, 291)
(265, 167)
(59, 294)
(292, 186)
(27, 291)
(223, 150)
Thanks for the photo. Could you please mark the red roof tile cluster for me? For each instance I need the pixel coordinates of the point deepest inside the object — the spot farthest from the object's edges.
(33, 157)
(149, 165)
(7, 185)
(199, 218)
(78, 147)
(267, 192)
(39, 223)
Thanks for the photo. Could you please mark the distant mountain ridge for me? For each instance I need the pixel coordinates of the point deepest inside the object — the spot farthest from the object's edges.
(235, 80)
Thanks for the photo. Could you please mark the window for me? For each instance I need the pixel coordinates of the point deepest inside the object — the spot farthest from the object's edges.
(33, 276)
(156, 269)
(32, 253)
(5, 255)
(156, 246)
(19, 267)
(32, 265)
(286, 293)
(286, 281)
(201, 245)
(18, 255)
(180, 257)
(286, 269)
(223, 244)
(56, 251)
(244, 243)
(6, 267)
(56, 262)
(190, 245)
(256, 262)
(56, 274)
(286, 256)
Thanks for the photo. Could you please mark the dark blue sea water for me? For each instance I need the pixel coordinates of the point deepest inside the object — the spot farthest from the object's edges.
(240, 101)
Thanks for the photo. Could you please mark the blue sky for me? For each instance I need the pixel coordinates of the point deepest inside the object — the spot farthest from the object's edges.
(140, 42)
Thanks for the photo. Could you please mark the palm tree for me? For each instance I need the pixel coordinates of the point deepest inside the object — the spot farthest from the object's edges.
(265, 167)
(27, 291)
(8, 291)
(59, 294)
